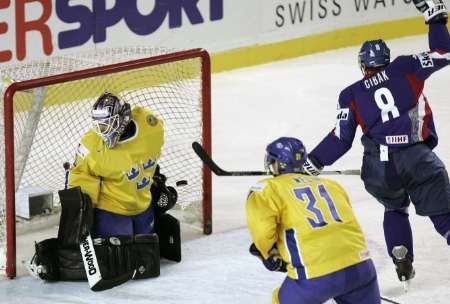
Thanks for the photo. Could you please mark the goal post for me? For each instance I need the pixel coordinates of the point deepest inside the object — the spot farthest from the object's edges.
(47, 110)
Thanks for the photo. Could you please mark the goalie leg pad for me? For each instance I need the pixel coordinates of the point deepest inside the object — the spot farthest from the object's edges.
(146, 256)
(120, 258)
(76, 217)
(53, 263)
(168, 229)
(71, 266)
(113, 245)
(114, 255)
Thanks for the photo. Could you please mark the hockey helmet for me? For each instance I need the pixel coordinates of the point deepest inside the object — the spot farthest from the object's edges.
(289, 153)
(373, 54)
(109, 118)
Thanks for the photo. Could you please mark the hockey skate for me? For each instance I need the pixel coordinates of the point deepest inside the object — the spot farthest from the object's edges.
(403, 265)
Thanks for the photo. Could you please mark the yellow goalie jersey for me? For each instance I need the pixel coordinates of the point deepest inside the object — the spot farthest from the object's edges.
(118, 180)
(311, 221)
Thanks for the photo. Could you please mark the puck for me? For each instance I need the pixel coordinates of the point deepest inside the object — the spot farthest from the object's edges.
(181, 183)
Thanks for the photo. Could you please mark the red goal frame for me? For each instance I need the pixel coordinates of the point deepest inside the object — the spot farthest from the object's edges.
(10, 209)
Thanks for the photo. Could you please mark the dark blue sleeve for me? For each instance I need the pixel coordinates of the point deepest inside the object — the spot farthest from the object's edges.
(439, 38)
(439, 54)
(423, 65)
(340, 139)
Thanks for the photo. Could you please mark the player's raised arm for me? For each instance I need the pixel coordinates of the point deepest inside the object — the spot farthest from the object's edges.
(435, 14)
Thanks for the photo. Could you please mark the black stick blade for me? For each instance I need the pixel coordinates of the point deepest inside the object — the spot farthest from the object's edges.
(207, 160)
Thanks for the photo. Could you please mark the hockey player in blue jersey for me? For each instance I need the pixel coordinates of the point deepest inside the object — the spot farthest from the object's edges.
(399, 165)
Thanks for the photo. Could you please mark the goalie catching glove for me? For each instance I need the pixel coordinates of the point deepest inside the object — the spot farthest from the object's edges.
(434, 11)
(274, 262)
(164, 197)
(167, 227)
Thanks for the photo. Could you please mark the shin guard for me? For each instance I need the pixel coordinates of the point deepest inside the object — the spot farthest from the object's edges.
(397, 231)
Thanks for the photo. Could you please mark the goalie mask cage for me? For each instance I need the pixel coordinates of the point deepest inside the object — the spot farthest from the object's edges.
(47, 110)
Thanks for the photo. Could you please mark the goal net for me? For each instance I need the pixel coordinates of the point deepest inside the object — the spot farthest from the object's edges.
(46, 111)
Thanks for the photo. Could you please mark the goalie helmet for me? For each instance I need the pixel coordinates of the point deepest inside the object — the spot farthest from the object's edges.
(289, 153)
(110, 118)
(373, 54)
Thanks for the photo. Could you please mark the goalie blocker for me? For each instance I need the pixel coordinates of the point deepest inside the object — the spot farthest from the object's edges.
(104, 262)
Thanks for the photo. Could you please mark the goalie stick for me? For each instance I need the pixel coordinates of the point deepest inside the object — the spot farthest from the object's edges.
(203, 155)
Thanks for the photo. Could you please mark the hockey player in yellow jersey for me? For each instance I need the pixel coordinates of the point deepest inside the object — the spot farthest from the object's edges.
(305, 225)
(115, 165)
(114, 192)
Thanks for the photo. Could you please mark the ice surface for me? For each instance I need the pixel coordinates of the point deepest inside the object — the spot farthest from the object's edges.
(250, 108)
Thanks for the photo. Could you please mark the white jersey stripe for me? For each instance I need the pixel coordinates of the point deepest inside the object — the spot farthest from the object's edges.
(436, 55)
(300, 254)
(337, 130)
(421, 116)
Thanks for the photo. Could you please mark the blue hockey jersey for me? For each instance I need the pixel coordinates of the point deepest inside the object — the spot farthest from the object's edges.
(390, 105)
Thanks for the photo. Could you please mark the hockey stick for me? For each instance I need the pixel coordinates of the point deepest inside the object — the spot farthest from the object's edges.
(382, 299)
(203, 155)
(389, 300)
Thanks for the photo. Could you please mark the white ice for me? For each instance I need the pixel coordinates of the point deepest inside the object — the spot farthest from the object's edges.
(250, 108)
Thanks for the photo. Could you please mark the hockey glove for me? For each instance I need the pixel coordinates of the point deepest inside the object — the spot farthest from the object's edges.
(274, 262)
(434, 11)
(312, 166)
(164, 197)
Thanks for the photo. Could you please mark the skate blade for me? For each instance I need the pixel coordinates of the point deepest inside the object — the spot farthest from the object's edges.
(406, 285)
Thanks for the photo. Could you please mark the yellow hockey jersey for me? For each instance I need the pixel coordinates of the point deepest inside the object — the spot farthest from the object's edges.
(118, 180)
(311, 221)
